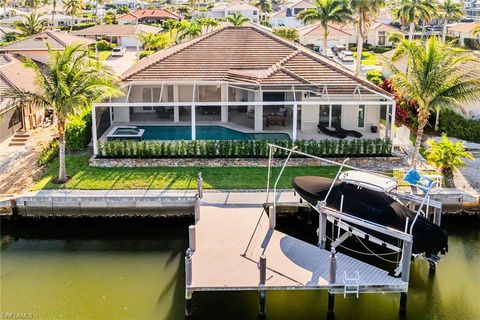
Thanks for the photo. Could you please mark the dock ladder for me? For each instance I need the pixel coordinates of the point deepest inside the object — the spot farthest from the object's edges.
(351, 284)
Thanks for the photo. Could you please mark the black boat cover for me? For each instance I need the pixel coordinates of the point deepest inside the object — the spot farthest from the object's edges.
(374, 206)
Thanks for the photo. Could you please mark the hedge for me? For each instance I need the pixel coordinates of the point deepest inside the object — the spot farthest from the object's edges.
(455, 125)
(48, 153)
(78, 132)
(240, 148)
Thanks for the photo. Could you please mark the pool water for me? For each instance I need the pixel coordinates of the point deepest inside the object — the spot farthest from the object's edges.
(205, 133)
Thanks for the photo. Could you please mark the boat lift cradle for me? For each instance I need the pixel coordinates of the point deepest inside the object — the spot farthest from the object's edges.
(349, 223)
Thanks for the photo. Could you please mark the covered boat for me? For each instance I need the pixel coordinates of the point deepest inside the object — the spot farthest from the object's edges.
(375, 205)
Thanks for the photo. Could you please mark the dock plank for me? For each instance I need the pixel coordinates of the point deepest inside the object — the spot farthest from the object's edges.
(231, 239)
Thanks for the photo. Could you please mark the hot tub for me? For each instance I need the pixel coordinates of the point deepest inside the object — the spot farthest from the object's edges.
(125, 133)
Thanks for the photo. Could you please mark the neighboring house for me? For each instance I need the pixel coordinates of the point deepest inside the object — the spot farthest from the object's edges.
(312, 35)
(124, 35)
(131, 4)
(400, 63)
(13, 116)
(6, 30)
(147, 16)
(60, 20)
(463, 31)
(224, 9)
(472, 8)
(384, 15)
(246, 79)
(35, 47)
(287, 15)
(6, 12)
(377, 33)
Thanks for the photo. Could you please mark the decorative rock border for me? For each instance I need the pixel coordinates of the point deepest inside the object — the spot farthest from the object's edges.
(375, 163)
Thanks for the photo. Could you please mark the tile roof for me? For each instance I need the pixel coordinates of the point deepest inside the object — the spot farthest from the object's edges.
(14, 74)
(116, 30)
(464, 27)
(5, 30)
(384, 27)
(56, 39)
(317, 29)
(243, 54)
(150, 13)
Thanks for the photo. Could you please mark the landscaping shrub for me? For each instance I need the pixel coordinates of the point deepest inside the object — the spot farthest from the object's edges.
(375, 76)
(48, 153)
(240, 148)
(286, 33)
(381, 49)
(104, 45)
(78, 132)
(77, 27)
(146, 53)
(455, 125)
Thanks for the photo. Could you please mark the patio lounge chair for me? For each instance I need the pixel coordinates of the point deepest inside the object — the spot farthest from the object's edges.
(330, 132)
(352, 133)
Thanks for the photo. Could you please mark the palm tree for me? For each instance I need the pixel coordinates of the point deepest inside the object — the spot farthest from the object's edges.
(365, 9)
(154, 41)
(263, 5)
(170, 24)
(411, 11)
(32, 24)
(98, 2)
(54, 4)
(210, 22)
(326, 12)
(68, 84)
(450, 9)
(237, 19)
(32, 3)
(447, 156)
(435, 78)
(192, 30)
(476, 30)
(73, 8)
(4, 5)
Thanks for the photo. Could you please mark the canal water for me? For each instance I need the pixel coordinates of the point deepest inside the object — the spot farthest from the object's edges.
(133, 269)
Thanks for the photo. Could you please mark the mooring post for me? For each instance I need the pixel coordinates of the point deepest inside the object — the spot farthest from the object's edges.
(192, 239)
(322, 225)
(196, 208)
(262, 265)
(406, 261)
(331, 306)
(272, 216)
(332, 272)
(200, 185)
(188, 282)
(14, 208)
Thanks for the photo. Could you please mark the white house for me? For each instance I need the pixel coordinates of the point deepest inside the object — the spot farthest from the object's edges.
(463, 31)
(59, 20)
(147, 16)
(124, 35)
(225, 9)
(312, 35)
(287, 15)
(254, 83)
(35, 47)
(377, 33)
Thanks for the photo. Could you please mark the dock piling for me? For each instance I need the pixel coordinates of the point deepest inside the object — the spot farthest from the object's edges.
(192, 240)
(332, 272)
(272, 217)
(188, 283)
(331, 305)
(262, 265)
(196, 208)
(406, 261)
(437, 216)
(188, 303)
(322, 227)
(200, 185)
(403, 304)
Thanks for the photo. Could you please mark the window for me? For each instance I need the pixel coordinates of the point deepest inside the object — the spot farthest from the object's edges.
(147, 97)
(382, 38)
(255, 12)
(324, 116)
(297, 10)
(289, 12)
(336, 115)
(361, 116)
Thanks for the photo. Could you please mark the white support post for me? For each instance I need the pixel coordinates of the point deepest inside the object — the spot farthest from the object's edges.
(94, 131)
(294, 119)
(387, 121)
(176, 109)
(192, 239)
(392, 125)
(272, 217)
(194, 133)
(224, 109)
(258, 111)
(330, 116)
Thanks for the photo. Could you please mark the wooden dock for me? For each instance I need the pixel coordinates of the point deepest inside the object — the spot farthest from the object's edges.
(228, 242)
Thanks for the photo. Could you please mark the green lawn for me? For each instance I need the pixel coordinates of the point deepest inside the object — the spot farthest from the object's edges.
(85, 177)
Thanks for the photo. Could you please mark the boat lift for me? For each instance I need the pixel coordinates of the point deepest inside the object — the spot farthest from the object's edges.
(349, 224)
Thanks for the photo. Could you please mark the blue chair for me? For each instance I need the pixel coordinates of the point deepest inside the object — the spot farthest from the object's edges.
(414, 178)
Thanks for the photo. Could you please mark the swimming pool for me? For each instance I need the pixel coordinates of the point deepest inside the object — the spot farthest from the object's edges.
(204, 133)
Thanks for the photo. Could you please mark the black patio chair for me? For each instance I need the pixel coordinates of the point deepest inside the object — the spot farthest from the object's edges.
(352, 133)
(330, 132)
